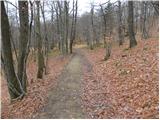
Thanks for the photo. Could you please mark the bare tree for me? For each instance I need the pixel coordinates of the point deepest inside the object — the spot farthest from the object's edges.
(155, 4)
(93, 31)
(132, 38)
(104, 25)
(92, 24)
(39, 39)
(110, 19)
(66, 24)
(23, 42)
(46, 38)
(57, 24)
(61, 26)
(74, 22)
(52, 26)
(144, 20)
(14, 85)
(120, 23)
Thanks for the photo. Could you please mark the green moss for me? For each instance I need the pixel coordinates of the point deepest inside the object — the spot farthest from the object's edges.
(126, 49)
(54, 53)
(145, 48)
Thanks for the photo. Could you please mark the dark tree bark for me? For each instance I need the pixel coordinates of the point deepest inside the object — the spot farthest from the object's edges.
(110, 19)
(120, 24)
(95, 41)
(66, 9)
(108, 49)
(46, 39)
(105, 26)
(73, 26)
(23, 42)
(75, 21)
(93, 28)
(52, 27)
(35, 42)
(156, 6)
(57, 25)
(61, 26)
(39, 39)
(144, 14)
(133, 41)
(14, 86)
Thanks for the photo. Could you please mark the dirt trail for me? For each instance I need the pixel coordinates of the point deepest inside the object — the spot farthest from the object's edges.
(64, 100)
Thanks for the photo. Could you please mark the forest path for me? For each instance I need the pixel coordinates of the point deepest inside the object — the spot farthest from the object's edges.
(64, 100)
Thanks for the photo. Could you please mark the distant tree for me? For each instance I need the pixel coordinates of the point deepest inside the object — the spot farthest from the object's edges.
(73, 25)
(41, 64)
(144, 20)
(94, 37)
(66, 24)
(61, 25)
(131, 33)
(120, 23)
(108, 49)
(104, 25)
(45, 38)
(110, 20)
(92, 27)
(52, 26)
(57, 25)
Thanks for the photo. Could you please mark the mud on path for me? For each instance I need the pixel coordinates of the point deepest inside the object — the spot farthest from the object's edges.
(64, 100)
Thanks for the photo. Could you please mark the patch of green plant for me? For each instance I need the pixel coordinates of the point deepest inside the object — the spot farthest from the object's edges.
(54, 53)
(145, 48)
(126, 49)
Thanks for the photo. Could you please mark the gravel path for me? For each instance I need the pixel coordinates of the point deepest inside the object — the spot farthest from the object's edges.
(64, 100)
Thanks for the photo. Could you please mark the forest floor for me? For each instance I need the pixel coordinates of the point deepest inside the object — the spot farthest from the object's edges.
(37, 90)
(83, 85)
(124, 86)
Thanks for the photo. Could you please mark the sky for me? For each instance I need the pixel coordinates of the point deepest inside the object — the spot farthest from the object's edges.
(83, 5)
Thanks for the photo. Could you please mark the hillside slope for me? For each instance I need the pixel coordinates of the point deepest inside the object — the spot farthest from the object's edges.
(126, 85)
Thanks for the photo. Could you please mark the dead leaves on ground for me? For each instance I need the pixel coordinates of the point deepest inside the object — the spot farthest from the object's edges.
(36, 96)
(125, 86)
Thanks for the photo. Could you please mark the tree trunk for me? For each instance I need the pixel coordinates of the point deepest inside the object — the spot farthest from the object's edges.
(133, 41)
(71, 36)
(46, 39)
(61, 27)
(66, 8)
(58, 26)
(39, 39)
(144, 12)
(23, 42)
(120, 24)
(92, 24)
(52, 27)
(14, 86)
(105, 25)
(108, 51)
(74, 22)
(94, 37)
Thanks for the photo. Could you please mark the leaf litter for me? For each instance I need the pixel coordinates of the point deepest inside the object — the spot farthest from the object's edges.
(124, 86)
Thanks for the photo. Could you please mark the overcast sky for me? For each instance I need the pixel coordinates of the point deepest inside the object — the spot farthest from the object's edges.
(83, 5)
